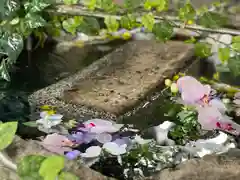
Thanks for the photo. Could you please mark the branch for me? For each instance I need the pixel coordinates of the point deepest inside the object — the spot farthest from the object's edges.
(77, 10)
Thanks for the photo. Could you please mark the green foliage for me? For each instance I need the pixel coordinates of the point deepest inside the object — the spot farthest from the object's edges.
(187, 127)
(202, 50)
(51, 167)
(234, 65)
(29, 166)
(7, 133)
(224, 54)
(21, 18)
(39, 167)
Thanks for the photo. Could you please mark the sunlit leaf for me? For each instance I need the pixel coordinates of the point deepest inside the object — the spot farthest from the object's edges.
(236, 43)
(234, 65)
(202, 50)
(212, 20)
(29, 166)
(111, 23)
(128, 21)
(148, 21)
(160, 5)
(31, 124)
(163, 30)
(51, 167)
(224, 54)
(71, 24)
(107, 5)
(7, 133)
(187, 12)
(132, 4)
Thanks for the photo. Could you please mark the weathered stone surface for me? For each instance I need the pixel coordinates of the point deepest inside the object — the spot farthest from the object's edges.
(125, 75)
(20, 148)
(211, 167)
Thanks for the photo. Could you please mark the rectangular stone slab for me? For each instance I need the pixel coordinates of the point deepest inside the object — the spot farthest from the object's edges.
(134, 70)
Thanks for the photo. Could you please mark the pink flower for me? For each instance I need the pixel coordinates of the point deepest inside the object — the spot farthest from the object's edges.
(192, 91)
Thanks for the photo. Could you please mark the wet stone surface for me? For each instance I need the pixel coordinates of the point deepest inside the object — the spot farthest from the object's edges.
(116, 82)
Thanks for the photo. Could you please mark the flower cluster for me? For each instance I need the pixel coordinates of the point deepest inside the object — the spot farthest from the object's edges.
(211, 110)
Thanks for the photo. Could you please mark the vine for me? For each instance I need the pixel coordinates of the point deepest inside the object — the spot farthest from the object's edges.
(19, 19)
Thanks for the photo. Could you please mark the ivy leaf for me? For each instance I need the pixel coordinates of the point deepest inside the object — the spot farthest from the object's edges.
(202, 50)
(8, 8)
(67, 176)
(51, 167)
(34, 21)
(212, 20)
(163, 30)
(187, 12)
(7, 133)
(234, 65)
(148, 21)
(29, 166)
(111, 23)
(33, 6)
(224, 54)
(11, 46)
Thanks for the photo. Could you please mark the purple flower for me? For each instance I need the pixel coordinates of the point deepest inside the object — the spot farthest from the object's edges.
(71, 155)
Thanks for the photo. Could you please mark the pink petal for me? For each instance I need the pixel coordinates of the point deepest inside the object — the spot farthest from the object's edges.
(53, 143)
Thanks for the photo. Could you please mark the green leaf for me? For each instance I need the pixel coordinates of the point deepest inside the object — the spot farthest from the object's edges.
(89, 26)
(51, 167)
(34, 21)
(71, 24)
(33, 6)
(107, 5)
(212, 20)
(67, 176)
(224, 54)
(236, 43)
(11, 46)
(163, 30)
(202, 50)
(111, 23)
(160, 5)
(132, 4)
(234, 65)
(31, 124)
(8, 8)
(7, 133)
(187, 12)
(92, 4)
(148, 21)
(29, 166)
(128, 22)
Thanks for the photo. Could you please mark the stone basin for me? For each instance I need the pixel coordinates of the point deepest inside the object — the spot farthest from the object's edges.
(117, 82)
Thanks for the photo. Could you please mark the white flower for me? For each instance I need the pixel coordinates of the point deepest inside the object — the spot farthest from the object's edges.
(115, 149)
(92, 152)
(140, 140)
(47, 121)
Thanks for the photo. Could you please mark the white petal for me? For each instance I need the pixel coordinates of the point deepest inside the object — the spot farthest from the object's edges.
(43, 114)
(114, 149)
(91, 152)
(104, 138)
(55, 117)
